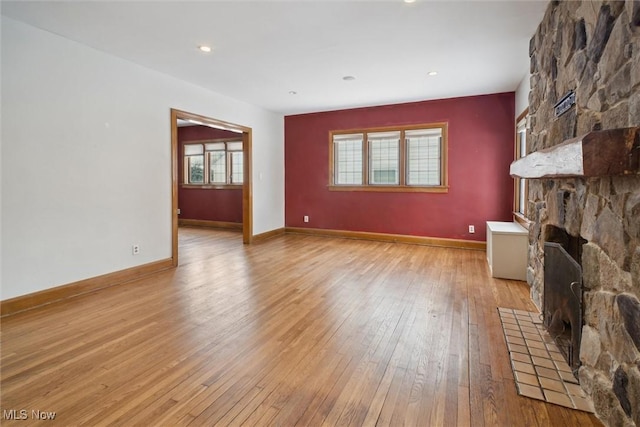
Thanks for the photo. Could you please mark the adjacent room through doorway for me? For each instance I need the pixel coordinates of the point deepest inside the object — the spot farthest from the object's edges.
(211, 174)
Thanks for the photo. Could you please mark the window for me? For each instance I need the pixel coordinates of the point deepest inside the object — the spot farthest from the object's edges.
(236, 162)
(348, 154)
(411, 158)
(222, 160)
(194, 164)
(521, 151)
(424, 156)
(384, 158)
(217, 162)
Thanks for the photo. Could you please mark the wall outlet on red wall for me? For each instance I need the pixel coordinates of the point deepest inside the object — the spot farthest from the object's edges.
(306, 218)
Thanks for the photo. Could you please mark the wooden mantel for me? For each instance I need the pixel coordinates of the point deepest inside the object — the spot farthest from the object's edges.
(599, 153)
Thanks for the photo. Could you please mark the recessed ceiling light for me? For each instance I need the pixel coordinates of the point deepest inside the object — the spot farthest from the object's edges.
(432, 73)
(348, 78)
(205, 48)
(409, 1)
(293, 92)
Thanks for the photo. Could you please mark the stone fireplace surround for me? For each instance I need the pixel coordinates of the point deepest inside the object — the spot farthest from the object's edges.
(592, 48)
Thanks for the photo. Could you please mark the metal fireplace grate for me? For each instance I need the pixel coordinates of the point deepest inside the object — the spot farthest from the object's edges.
(562, 305)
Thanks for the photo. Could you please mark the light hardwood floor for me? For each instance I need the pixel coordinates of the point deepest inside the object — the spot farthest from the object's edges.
(296, 330)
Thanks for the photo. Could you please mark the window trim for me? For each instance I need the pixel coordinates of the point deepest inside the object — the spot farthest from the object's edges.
(206, 174)
(402, 186)
(520, 217)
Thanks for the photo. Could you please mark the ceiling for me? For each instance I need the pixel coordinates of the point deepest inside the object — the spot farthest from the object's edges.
(290, 57)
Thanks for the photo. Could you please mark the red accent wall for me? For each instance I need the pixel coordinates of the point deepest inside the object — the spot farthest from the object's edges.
(481, 148)
(206, 204)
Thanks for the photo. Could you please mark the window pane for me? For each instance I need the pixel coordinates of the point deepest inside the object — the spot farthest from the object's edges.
(348, 159)
(523, 201)
(193, 149)
(423, 132)
(234, 146)
(523, 143)
(217, 167)
(196, 169)
(237, 169)
(522, 151)
(384, 158)
(214, 146)
(424, 157)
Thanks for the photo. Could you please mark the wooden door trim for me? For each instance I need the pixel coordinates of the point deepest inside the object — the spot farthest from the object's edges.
(247, 195)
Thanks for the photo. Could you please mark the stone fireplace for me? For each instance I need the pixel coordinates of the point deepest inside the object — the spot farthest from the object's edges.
(591, 48)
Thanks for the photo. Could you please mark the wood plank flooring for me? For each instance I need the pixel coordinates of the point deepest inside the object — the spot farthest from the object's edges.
(296, 330)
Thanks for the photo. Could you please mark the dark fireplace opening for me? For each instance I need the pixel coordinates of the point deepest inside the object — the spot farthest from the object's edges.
(571, 244)
(562, 302)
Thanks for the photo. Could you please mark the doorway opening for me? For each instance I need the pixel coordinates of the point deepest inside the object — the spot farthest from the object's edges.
(247, 197)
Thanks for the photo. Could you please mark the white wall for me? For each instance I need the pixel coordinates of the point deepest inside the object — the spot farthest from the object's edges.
(86, 160)
(522, 95)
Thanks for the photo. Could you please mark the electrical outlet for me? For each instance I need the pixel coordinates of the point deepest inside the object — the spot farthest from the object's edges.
(306, 218)
(135, 249)
(472, 229)
(178, 211)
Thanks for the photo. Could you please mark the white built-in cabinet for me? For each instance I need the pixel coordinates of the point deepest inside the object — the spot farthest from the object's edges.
(507, 245)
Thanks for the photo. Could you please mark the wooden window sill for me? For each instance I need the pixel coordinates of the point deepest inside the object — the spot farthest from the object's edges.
(389, 188)
(522, 220)
(212, 186)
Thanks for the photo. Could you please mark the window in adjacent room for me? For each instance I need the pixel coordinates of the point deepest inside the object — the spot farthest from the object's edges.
(194, 164)
(222, 161)
(217, 154)
(234, 153)
(411, 158)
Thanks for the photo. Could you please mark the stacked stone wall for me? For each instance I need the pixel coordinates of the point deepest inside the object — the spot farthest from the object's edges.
(593, 49)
